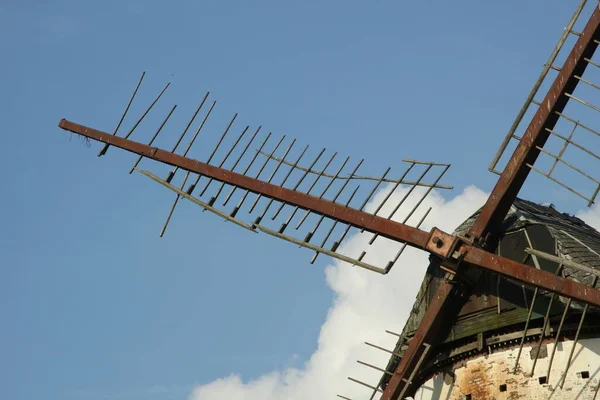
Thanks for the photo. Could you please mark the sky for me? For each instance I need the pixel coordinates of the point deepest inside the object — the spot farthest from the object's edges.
(95, 305)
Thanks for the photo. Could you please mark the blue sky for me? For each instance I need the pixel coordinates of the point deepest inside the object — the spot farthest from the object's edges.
(93, 303)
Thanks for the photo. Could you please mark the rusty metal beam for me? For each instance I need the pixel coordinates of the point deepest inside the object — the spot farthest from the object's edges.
(390, 229)
(516, 171)
(437, 242)
(427, 333)
(531, 276)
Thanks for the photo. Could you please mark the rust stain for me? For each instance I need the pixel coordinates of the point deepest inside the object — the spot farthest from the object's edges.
(491, 377)
(483, 379)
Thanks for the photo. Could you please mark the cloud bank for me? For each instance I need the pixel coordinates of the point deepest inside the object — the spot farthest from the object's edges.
(591, 216)
(365, 305)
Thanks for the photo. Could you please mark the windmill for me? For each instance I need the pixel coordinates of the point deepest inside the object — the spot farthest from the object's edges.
(317, 200)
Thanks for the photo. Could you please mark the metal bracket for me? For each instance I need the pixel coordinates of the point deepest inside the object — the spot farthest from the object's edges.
(447, 247)
(440, 243)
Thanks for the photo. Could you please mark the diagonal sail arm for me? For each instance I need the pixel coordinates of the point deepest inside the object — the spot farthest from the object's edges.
(517, 169)
(451, 249)
(384, 227)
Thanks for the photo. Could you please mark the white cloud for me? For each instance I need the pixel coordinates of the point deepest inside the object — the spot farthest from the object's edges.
(365, 305)
(591, 216)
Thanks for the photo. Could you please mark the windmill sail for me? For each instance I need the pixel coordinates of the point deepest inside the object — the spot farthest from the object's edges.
(570, 156)
(318, 199)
